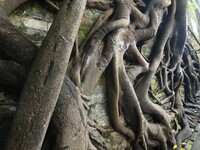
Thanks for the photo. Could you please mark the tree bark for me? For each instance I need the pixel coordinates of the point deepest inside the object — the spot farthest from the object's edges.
(45, 79)
(68, 122)
(17, 54)
(116, 44)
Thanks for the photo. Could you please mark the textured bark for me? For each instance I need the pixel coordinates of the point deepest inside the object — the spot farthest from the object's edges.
(68, 122)
(12, 42)
(45, 79)
(114, 47)
(10, 5)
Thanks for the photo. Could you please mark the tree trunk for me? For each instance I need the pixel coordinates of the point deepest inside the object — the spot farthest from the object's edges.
(52, 100)
(43, 85)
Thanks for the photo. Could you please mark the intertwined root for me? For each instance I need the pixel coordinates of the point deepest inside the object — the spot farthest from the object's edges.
(120, 49)
(115, 48)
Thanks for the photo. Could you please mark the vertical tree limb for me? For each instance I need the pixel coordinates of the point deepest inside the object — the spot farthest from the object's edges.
(41, 91)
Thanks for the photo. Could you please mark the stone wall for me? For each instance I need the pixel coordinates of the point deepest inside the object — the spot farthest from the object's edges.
(194, 24)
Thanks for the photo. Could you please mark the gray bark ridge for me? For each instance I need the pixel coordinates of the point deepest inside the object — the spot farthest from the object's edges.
(43, 85)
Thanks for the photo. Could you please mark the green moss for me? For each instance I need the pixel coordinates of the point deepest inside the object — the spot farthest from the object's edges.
(95, 15)
(160, 95)
(89, 19)
(154, 84)
(83, 31)
(188, 145)
(27, 8)
(192, 6)
(37, 8)
(173, 124)
(182, 91)
(156, 89)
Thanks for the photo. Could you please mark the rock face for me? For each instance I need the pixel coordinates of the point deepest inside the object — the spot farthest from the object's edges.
(194, 23)
(34, 21)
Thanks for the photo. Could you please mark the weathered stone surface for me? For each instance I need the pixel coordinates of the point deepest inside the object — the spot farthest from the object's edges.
(194, 23)
(197, 129)
(194, 136)
(196, 144)
(33, 20)
(89, 18)
(117, 141)
(37, 24)
(98, 106)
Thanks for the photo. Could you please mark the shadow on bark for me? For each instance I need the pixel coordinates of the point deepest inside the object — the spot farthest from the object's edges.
(114, 47)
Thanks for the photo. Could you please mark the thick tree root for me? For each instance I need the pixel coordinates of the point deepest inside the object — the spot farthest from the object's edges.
(115, 46)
